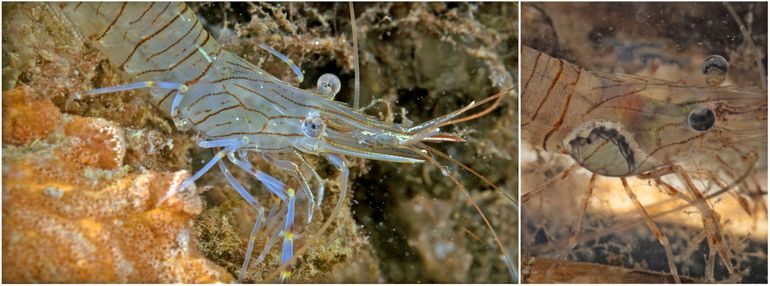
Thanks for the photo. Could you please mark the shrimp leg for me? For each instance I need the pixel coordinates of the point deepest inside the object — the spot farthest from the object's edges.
(654, 229)
(576, 229)
(711, 223)
(319, 181)
(337, 162)
(288, 236)
(273, 185)
(180, 90)
(294, 169)
(230, 146)
(257, 224)
(561, 176)
(342, 167)
(285, 59)
(286, 194)
(283, 192)
(274, 238)
(283, 164)
(250, 247)
(133, 86)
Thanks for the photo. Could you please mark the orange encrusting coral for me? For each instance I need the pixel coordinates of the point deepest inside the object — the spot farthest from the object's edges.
(26, 118)
(94, 142)
(73, 215)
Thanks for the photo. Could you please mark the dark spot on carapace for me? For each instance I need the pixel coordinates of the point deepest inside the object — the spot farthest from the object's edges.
(613, 136)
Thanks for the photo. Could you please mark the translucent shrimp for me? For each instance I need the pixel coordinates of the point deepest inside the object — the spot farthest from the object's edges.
(624, 126)
(238, 108)
(676, 136)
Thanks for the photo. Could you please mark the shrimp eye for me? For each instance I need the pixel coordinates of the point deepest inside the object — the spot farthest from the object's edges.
(328, 85)
(313, 126)
(715, 69)
(701, 119)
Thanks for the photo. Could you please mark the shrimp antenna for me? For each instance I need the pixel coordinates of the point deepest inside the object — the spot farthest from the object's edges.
(470, 170)
(357, 89)
(525, 197)
(506, 257)
(497, 97)
(747, 37)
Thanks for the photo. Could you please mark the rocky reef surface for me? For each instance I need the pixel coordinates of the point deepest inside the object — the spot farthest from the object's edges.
(72, 213)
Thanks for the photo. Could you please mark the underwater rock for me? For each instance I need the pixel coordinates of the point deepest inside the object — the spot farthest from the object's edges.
(72, 214)
(443, 252)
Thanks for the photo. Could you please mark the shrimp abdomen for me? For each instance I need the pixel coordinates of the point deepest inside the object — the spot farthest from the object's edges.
(149, 41)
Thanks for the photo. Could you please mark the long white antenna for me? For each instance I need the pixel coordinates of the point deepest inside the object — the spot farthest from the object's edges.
(355, 47)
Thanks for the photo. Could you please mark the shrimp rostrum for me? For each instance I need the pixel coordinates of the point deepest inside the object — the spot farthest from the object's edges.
(239, 109)
(623, 126)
